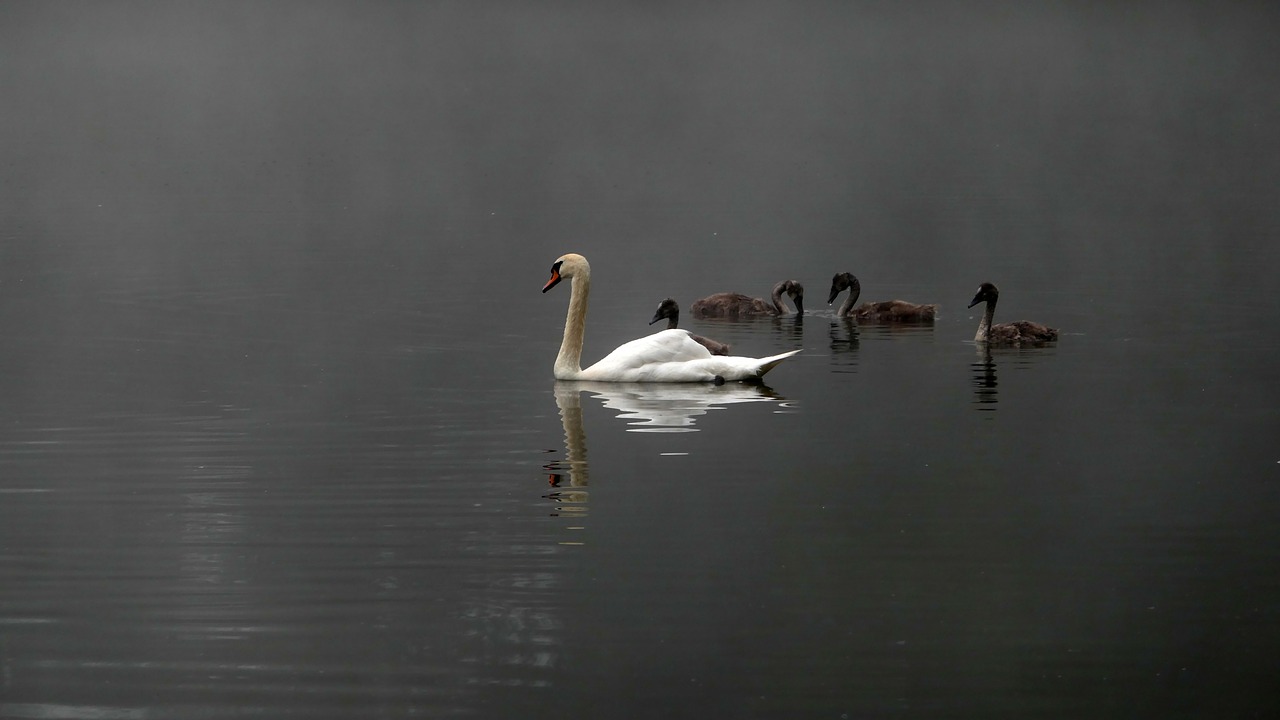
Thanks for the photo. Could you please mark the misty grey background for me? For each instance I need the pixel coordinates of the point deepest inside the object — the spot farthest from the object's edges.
(278, 417)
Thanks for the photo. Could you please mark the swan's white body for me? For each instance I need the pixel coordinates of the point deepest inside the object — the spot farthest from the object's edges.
(665, 356)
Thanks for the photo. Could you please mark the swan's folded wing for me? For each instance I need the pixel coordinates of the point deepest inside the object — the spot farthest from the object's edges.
(665, 346)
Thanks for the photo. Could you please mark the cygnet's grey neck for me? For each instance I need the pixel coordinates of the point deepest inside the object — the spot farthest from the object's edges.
(984, 327)
(846, 308)
(792, 289)
(855, 291)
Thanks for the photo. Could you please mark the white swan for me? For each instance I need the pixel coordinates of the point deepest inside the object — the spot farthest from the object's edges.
(665, 356)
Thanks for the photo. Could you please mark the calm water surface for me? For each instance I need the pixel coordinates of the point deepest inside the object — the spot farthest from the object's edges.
(898, 523)
(279, 436)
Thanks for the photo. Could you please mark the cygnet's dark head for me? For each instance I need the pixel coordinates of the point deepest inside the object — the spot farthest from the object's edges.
(986, 293)
(841, 282)
(666, 309)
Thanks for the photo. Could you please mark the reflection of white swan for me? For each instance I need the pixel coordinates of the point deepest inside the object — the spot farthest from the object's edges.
(665, 356)
(652, 407)
(569, 402)
(648, 407)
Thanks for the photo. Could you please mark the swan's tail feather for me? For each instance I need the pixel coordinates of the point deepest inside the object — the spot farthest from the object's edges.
(767, 364)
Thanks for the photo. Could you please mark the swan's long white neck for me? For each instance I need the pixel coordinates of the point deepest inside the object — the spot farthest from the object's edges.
(569, 362)
(984, 327)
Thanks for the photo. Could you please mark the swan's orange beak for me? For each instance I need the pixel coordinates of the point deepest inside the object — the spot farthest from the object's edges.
(555, 278)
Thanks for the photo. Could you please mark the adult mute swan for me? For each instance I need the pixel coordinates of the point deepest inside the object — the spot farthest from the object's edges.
(671, 311)
(665, 356)
(887, 311)
(734, 305)
(1013, 333)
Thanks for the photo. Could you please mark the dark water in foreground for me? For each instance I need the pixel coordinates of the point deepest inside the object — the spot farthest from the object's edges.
(898, 524)
(279, 438)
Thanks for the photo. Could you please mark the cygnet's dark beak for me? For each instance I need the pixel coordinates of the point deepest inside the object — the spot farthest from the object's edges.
(799, 305)
(976, 299)
(656, 317)
(832, 297)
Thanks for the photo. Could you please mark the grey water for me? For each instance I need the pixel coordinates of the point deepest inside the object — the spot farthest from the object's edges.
(279, 435)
